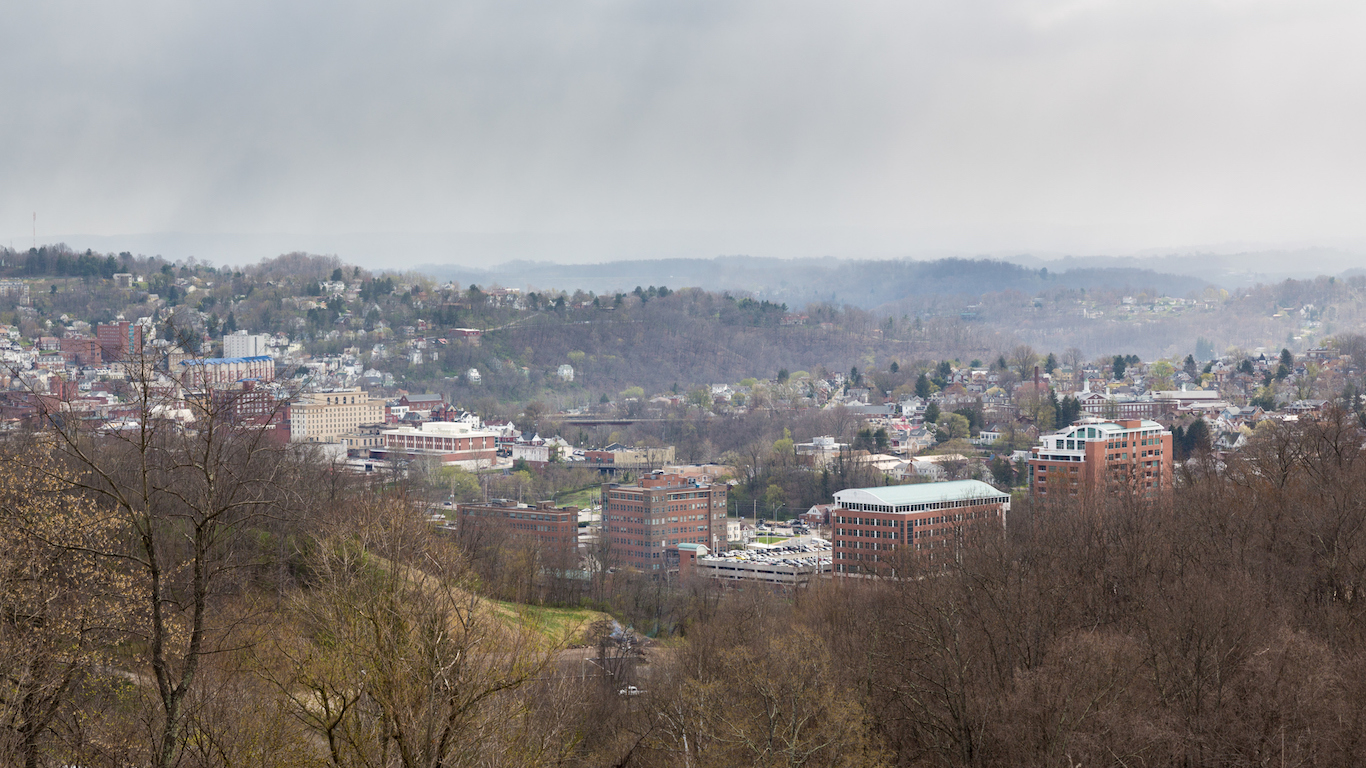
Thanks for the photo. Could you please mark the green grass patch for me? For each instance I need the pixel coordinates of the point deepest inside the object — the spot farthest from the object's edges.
(584, 498)
(771, 539)
(551, 622)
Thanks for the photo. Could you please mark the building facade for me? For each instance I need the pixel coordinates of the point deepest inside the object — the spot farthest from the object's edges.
(554, 531)
(661, 510)
(874, 529)
(119, 340)
(695, 561)
(459, 443)
(243, 344)
(1098, 456)
(223, 371)
(82, 350)
(619, 457)
(322, 417)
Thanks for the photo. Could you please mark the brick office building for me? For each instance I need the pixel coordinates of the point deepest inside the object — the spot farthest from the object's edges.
(642, 519)
(1094, 455)
(119, 341)
(875, 527)
(553, 530)
(82, 350)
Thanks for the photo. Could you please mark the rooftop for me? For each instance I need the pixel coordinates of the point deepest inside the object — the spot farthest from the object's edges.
(441, 429)
(917, 493)
(228, 360)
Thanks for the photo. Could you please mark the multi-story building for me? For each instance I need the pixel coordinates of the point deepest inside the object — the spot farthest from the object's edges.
(554, 530)
(798, 570)
(212, 372)
(243, 344)
(247, 404)
(874, 529)
(119, 340)
(460, 443)
(16, 289)
(322, 417)
(642, 519)
(616, 457)
(1094, 455)
(82, 350)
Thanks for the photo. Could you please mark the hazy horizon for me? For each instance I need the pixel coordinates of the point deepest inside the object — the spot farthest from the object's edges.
(589, 131)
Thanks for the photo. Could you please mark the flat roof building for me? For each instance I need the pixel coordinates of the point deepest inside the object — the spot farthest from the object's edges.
(874, 528)
(457, 443)
(659, 511)
(553, 531)
(1094, 455)
(224, 371)
(324, 416)
(776, 569)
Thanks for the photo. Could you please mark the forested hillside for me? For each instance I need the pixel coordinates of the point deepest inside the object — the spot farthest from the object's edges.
(865, 284)
(655, 337)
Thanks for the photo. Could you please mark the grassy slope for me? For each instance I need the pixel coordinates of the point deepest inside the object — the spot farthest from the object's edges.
(554, 623)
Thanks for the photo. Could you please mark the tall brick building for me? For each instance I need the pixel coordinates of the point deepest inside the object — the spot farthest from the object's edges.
(642, 519)
(1094, 455)
(119, 340)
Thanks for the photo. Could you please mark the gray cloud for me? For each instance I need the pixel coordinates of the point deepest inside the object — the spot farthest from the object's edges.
(881, 127)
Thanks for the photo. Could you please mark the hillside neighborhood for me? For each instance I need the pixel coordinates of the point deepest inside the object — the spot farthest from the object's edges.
(333, 363)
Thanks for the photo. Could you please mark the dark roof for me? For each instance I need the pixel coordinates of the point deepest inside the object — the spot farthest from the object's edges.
(427, 398)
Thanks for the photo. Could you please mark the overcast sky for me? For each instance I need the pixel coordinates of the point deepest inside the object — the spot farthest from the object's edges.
(694, 127)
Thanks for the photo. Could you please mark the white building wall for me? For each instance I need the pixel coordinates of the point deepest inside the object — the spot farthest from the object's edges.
(243, 344)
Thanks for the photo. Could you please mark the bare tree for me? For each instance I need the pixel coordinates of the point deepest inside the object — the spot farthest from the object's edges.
(1022, 359)
(399, 661)
(184, 482)
(1073, 358)
(60, 606)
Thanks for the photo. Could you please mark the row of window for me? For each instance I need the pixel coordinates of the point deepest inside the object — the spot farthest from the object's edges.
(853, 507)
(934, 520)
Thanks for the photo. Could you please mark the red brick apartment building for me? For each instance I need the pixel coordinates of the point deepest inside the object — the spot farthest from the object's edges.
(661, 510)
(554, 530)
(1095, 455)
(874, 527)
(82, 350)
(118, 340)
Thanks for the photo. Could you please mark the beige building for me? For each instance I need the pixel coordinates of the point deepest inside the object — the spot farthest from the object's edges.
(323, 417)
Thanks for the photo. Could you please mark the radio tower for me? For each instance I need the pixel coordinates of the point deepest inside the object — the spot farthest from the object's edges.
(35, 230)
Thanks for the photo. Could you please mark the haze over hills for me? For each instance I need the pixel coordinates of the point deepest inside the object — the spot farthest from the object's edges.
(868, 284)
(615, 261)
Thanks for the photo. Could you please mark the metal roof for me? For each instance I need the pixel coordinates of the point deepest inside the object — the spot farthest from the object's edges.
(226, 360)
(918, 493)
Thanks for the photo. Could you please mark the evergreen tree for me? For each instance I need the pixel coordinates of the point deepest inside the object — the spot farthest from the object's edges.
(923, 387)
(1197, 437)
